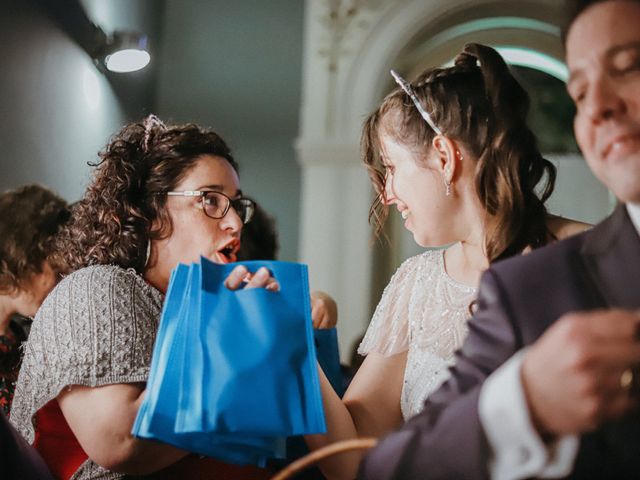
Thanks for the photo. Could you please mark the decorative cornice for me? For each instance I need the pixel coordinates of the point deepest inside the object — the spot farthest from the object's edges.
(339, 23)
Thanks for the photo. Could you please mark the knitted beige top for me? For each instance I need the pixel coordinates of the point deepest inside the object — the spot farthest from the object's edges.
(97, 327)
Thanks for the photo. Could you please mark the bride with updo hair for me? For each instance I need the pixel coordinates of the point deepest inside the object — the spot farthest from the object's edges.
(453, 154)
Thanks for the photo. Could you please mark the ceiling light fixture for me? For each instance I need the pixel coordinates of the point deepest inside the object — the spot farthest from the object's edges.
(124, 52)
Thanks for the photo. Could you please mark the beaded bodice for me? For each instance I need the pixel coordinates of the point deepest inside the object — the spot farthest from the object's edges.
(423, 310)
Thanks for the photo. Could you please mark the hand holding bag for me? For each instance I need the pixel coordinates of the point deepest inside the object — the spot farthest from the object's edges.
(260, 362)
(233, 372)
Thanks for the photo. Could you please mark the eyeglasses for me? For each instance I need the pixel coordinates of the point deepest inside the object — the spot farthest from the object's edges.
(216, 204)
(406, 86)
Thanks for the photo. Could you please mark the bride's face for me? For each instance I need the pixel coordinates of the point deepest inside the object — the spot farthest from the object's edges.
(417, 190)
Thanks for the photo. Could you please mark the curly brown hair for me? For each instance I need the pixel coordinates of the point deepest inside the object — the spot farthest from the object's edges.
(30, 217)
(112, 224)
(478, 103)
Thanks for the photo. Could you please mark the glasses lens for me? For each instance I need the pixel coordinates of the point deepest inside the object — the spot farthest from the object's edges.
(215, 204)
(244, 207)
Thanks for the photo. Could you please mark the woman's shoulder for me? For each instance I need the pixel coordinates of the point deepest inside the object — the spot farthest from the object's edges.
(413, 267)
(102, 278)
(561, 227)
(426, 257)
(99, 273)
(100, 283)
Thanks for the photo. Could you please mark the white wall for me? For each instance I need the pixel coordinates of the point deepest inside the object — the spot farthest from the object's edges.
(56, 109)
(578, 193)
(236, 67)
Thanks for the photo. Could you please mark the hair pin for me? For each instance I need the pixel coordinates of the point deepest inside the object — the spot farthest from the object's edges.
(409, 91)
(150, 123)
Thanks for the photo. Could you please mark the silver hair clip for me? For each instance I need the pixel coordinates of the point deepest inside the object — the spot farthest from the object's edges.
(409, 91)
(149, 123)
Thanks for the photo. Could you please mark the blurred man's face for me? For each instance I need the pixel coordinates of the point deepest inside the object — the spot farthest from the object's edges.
(603, 55)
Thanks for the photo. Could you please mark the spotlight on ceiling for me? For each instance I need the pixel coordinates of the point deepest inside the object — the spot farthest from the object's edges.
(124, 52)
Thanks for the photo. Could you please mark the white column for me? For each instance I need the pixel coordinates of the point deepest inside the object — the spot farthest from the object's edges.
(335, 237)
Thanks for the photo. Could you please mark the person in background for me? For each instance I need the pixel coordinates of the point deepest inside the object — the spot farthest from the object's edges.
(160, 195)
(30, 217)
(546, 384)
(259, 238)
(452, 152)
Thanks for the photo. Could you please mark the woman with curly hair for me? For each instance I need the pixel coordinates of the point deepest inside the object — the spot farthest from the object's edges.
(161, 195)
(30, 216)
(453, 153)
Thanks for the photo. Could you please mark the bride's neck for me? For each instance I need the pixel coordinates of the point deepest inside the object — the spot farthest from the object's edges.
(465, 263)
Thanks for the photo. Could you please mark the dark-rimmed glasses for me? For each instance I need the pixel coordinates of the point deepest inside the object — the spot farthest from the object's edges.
(216, 204)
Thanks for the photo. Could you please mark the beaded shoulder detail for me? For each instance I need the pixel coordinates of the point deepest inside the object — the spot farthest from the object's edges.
(439, 310)
(425, 311)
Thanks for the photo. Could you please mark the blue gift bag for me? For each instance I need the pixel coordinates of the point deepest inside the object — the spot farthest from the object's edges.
(232, 373)
(190, 399)
(326, 341)
(159, 409)
(144, 422)
(258, 358)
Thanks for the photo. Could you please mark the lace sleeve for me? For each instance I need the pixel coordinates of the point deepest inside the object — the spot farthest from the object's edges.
(388, 332)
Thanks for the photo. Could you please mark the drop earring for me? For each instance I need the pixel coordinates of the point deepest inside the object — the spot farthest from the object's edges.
(447, 183)
(148, 254)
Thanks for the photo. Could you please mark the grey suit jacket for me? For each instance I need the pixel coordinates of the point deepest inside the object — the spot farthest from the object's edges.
(18, 459)
(518, 300)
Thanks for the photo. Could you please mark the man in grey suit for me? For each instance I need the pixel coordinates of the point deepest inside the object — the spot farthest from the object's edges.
(546, 383)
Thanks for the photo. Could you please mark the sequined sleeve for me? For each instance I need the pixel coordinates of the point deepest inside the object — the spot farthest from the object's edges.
(388, 332)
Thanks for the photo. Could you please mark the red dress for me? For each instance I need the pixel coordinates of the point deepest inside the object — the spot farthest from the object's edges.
(56, 443)
(63, 454)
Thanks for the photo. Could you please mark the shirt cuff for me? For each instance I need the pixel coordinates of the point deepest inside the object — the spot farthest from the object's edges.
(517, 451)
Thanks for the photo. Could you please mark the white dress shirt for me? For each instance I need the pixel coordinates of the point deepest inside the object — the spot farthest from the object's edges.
(517, 450)
(634, 213)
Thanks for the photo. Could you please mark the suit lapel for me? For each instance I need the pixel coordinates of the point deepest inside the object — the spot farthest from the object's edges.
(611, 256)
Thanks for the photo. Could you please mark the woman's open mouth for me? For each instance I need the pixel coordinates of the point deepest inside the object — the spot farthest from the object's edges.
(229, 252)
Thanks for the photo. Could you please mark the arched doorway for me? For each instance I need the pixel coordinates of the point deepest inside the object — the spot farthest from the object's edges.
(350, 47)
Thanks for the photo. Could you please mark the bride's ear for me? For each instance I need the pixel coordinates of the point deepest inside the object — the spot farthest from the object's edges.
(448, 158)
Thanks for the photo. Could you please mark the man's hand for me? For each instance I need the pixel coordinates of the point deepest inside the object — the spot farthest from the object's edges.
(577, 374)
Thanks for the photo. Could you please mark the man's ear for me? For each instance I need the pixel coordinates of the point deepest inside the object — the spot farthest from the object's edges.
(448, 157)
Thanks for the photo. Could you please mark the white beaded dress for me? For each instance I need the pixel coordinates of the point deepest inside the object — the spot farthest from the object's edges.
(422, 310)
